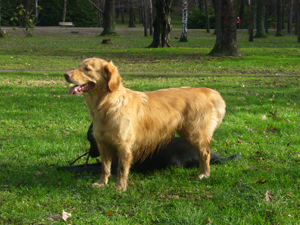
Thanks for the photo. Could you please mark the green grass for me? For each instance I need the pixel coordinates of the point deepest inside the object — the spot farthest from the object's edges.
(42, 127)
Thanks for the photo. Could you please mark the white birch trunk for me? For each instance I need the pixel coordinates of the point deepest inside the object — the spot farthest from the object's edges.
(183, 37)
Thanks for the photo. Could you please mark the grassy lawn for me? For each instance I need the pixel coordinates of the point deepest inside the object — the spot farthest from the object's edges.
(42, 127)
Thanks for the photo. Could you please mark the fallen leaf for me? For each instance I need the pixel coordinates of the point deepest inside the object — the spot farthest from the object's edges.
(261, 182)
(260, 159)
(19, 184)
(264, 117)
(209, 196)
(65, 215)
(268, 196)
(66, 132)
(208, 221)
(226, 143)
(239, 141)
(273, 115)
(109, 213)
(169, 197)
(55, 217)
(289, 194)
(253, 168)
(53, 90)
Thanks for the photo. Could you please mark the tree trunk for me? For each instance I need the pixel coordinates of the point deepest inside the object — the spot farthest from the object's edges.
(207, 18)
(266, 17)
(260, 30)
(250, 30)
(241, 14)
(162, 24)
(131, 14)
(290, 19)
(65, 10)
(98, 13)
(279, 18)
(226, 41)
(215, 8)
(122, 12)
(108, 17)
(296, 17)
(150, 17)
(183, 37)
(298, 20)
(1, 33)
(145, 19)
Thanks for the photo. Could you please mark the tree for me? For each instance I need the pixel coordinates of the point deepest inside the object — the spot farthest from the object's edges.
(260, 30)
(226, 41)
(250, 29)
(1, 33)
(298, 20)
(65, 10)
(279, 18)
(131, 14)
(290, 17)
(144, 5)
(162, 24)
(108, 17)
(150, 16)
(98, 13)
(183, 37)
(207, 17)
(241, 13)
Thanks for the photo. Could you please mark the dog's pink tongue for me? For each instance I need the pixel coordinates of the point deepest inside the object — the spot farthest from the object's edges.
(72, 89)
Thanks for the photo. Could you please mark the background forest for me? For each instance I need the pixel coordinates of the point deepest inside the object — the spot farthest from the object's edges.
(83, 14)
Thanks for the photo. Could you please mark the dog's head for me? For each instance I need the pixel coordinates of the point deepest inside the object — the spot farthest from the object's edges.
(94, 73)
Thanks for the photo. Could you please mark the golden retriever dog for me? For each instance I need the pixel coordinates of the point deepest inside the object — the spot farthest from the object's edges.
(130, 125)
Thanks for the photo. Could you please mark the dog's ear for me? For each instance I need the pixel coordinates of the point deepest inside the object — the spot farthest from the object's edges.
(113, 77)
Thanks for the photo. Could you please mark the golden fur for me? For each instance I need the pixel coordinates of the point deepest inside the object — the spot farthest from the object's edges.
(131, 124)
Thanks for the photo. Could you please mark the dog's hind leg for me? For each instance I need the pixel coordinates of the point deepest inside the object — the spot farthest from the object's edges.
(124, 163)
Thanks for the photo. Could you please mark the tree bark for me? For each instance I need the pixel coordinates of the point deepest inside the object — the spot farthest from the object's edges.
(1, 33)
(241, 14)
(250, 29)
(65, 10)
(226, 41)
(162, 24)
(290, 19)
(183, 37)
(207, 18)
(279, 18)
(298, 20)
(150, 17)
(98, 13)
(260, 30)
(131, 14)
(108, 17)
(266, 17)
(122, 12)
(145, 18)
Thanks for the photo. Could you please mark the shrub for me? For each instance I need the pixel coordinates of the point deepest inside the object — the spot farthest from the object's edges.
(197, 19)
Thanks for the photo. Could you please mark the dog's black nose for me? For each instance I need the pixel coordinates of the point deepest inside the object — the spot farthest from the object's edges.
(68, 75)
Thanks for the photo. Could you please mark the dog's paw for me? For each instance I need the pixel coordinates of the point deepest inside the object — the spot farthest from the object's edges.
(201, 176)
(121, 187)
(97, 185)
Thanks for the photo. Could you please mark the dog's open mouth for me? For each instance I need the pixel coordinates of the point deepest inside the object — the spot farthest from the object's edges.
(80, 89)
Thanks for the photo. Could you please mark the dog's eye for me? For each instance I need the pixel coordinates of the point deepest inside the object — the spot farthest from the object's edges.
(87, 69)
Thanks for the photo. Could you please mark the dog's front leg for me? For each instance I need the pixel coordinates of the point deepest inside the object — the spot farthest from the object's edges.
(125, 161)
(106, 160)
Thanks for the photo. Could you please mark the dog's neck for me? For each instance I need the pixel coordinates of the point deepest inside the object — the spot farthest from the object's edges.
(102, 101)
